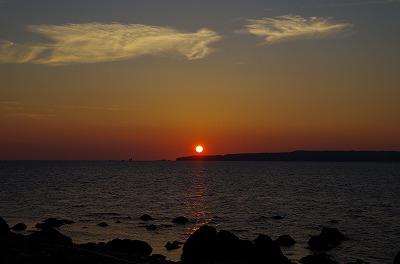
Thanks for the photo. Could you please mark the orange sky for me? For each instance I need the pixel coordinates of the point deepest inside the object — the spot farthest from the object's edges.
(229, 82)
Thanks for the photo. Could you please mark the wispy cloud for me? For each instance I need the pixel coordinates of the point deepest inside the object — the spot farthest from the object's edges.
(95, 42)
(289, 27)
(47, 112)
(92, 108)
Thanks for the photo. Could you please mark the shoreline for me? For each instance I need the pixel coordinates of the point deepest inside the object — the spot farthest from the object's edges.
(205, 245)
(303, 156)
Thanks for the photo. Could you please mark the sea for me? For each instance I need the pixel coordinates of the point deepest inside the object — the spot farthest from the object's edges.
(362, 199)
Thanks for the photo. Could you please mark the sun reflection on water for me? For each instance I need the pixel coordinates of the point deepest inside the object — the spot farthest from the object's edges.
(196, 198)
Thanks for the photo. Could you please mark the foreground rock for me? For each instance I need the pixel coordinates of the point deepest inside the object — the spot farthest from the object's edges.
(49, 236)
(4, 228)
(358, 261)
(207, 245)
(329, 238)
(397, 259)
(49, 246)
(320, 258)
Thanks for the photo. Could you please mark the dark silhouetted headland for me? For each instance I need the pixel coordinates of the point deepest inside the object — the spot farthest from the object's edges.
(302, 155)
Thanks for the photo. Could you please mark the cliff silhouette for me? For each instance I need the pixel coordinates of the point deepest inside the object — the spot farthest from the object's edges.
(304, 155)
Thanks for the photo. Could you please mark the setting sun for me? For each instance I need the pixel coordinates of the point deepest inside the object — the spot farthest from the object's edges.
(199, 149)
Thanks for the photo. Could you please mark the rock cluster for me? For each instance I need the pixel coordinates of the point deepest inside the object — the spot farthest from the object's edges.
(204, 246)
(207, 245)
(49, 246)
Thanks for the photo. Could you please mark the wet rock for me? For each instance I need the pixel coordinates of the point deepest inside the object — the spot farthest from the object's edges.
(320, 258)
(180, 220)
(200, 245)
(329, 238)
(285, 241)
(397, 259)
(19, 227)
(103, 224)
(49, 236)
(131, 247)
(54, 223)
(277, 217)
(172, 246)
(4, 228)
(151, 227)
(146, 217)
(269, 251)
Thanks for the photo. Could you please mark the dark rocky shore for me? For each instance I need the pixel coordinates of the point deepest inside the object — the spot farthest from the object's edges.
(205, 246)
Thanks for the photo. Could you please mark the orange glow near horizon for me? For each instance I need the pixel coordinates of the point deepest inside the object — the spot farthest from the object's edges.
(199, 149)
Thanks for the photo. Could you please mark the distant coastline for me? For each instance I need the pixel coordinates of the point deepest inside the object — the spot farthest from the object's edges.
(304, 155)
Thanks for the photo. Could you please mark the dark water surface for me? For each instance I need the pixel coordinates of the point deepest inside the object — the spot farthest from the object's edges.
(236, 196)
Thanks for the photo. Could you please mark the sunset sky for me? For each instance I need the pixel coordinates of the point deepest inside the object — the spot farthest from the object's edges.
(152, 79)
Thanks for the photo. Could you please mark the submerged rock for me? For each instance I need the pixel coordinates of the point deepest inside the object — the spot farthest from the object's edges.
(329, 238)
(146, 217)
(54, 223)
(277, 217)
(180, 220)
(285, 241)
(19, 227)
(103, 224)
(332, 235)
(172, 246)
(151, 227)
(320, 258)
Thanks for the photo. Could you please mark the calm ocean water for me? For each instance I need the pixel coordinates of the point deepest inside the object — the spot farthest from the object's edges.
(236, 196)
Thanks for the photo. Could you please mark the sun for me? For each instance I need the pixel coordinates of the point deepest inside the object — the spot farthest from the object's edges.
(199, 149)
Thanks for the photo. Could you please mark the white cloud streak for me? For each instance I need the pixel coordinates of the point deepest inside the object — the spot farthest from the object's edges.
(95, 42)
(289, 27)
